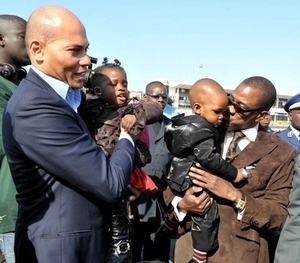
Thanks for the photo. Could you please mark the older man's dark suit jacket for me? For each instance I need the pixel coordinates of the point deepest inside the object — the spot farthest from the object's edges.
(267, 197)
(63, 179)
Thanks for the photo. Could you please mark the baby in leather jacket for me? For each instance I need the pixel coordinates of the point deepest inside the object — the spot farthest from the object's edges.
(194, 139)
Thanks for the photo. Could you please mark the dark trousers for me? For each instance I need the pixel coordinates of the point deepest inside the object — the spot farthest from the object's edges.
(205, 229)
(143, 248)
(273, 237)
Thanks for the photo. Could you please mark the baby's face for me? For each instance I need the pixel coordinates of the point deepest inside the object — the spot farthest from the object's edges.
(114, 87)
(213, 109)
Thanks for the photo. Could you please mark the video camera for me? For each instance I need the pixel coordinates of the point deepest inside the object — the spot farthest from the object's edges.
(89, 72)
(93, 61)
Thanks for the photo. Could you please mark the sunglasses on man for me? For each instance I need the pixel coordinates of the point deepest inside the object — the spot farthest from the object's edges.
(157, 95)
(240, 109)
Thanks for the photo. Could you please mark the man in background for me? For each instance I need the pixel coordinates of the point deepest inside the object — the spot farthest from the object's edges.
(265, 122)
(169, 110)
(292, 133)
(13, 56)
(149, 208)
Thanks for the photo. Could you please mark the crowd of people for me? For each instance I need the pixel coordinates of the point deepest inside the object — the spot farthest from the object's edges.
(90, 174)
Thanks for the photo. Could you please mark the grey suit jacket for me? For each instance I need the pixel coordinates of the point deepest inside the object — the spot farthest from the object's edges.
(147, 203)
(288, 247)
(63, 180)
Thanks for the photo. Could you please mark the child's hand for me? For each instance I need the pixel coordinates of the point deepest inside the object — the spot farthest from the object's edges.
(133, 136)
(134, 193)
(127, 122)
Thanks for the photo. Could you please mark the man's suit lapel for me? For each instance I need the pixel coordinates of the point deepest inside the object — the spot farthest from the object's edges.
(153, 133)
(42, 84)
(250, 155)
(35, 78)
(161, 132)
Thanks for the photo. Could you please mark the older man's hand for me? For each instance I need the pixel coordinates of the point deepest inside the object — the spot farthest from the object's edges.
(214, 184)
(195, 200)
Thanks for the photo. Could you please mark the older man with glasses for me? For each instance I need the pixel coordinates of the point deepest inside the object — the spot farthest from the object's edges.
(251, 210)
(149, 208)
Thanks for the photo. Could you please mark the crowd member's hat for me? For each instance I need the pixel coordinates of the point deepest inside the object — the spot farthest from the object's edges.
(292, 103)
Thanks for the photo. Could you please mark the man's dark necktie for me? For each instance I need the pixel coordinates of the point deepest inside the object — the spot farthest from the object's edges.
(233, 149)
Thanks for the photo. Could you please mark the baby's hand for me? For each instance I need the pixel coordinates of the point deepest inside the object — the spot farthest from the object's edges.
(127, 122)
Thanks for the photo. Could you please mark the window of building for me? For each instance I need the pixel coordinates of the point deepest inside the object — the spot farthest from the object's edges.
(281, 102)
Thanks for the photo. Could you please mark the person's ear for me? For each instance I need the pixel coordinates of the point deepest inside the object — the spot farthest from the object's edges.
(97, 91)
(197, 108)
(36, 49)
(262, 115)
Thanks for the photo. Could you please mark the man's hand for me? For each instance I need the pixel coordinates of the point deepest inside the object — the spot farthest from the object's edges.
(215, 184)
(195, 200)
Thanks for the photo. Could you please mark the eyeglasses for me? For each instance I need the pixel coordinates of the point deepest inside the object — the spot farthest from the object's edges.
(158, 95)
(239, 108)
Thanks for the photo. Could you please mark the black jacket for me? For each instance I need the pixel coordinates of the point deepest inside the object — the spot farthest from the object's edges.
(192, 139)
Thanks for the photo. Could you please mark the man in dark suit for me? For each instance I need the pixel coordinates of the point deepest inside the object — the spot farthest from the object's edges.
(292, 133)
(150, 208)
(265, 122)
(64, 182)
(251, 209)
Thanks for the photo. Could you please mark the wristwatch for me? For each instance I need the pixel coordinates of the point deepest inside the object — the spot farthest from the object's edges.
(241, 203)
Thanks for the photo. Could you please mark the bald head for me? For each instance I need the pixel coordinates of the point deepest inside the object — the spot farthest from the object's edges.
(12, 45)
(8, 22)
(205, 90)
(48, 22)
(57, 44)
(155, 84)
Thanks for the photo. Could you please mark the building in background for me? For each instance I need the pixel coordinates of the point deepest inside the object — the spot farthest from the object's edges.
(178, 93)
(279, 117)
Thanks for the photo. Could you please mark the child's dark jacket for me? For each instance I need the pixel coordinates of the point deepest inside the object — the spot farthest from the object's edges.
(192, 139)
(103, 120)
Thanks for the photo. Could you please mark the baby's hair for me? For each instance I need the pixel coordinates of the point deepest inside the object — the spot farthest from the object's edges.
(116, 62)
(105, 61)
(95, 76)
(105, 65)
